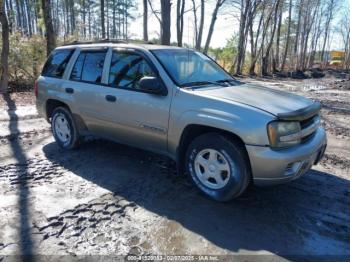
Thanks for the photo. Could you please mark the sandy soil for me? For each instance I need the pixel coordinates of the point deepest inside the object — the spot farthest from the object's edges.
(109, 199)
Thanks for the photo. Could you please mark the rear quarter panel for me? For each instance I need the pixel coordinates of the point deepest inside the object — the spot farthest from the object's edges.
(52, 88)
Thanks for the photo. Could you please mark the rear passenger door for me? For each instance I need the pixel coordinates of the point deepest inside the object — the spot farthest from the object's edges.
(84, 84)
(136, 117)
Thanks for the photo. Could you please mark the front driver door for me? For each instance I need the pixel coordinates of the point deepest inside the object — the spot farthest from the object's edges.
(138, 118)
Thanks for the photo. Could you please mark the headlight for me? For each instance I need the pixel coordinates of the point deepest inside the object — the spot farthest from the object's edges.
(284, 134)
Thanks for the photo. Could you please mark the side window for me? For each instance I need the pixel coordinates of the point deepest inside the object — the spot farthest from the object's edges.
(78, 67)
(57, 62)
(127, 69)
(89, 66)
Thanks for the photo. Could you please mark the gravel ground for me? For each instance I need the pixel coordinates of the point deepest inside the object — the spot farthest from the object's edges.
(109, 199)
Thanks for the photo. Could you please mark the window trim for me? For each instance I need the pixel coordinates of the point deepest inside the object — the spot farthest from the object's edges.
(70, 57)
(86, 50)
(148, 61)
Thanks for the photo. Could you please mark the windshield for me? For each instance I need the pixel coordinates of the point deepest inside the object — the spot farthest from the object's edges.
(189, 68)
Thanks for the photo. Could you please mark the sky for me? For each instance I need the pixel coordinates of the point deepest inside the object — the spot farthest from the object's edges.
(226, 25)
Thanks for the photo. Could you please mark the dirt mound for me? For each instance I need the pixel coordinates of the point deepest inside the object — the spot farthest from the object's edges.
(339, 73)
(281, 74)
(299, 74)
(341, 84)
(316, 73)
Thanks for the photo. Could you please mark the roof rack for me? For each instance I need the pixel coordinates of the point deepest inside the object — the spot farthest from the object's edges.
(101, 41)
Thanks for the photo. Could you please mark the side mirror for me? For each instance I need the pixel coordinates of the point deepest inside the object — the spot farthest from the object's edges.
(153, 85)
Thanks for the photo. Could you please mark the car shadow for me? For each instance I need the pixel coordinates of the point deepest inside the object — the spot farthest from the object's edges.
(306, 216)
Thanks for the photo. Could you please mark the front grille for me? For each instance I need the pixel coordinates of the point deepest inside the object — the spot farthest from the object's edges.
(309, 127)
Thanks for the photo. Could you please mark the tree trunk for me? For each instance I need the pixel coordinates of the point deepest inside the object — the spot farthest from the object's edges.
(288, 35)
(198, 29)
(89, 18)
(107, 19)
(9, 8)
(296, 44)
(50, 34)
(219, 3)
(19, 20)
(315, 38)
(29, 20)
(103, 19)
(326, 32)
(265, 58)
(119, 25)
(114, 29)
(180, 9)
(145, 21)
(67, 16)
(276, 60)
(195, 21)
(201, 26)
(84, 18)
(4, 49)
(126, 21)
(252, 51)
(303, 60)
(23, 17)
(245, 5)
(72, 17)
(165, 6)
(254, 44)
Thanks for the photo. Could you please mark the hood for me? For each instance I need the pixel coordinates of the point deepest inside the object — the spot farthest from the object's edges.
(270, 100)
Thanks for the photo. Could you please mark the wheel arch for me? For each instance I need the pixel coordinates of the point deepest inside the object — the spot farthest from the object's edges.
(192, 131)
(51, 104)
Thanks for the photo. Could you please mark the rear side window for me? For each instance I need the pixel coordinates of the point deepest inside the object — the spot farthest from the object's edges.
(89, 66)
(57, 62)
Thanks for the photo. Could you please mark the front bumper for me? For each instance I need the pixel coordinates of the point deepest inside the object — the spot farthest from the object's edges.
(271, 167)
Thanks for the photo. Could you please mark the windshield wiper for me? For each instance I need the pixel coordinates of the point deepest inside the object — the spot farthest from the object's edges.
(228, 80)
(199, 83)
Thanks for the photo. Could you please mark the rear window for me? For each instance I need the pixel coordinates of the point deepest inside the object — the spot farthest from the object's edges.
(89, 66)
(57, 62)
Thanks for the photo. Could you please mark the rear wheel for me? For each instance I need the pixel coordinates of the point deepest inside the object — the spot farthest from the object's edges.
(218, 166)
(64, 129)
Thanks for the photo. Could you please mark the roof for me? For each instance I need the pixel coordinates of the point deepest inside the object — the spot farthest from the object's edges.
(116, 43)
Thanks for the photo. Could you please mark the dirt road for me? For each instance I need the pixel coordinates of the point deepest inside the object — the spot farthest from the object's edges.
(109, 199)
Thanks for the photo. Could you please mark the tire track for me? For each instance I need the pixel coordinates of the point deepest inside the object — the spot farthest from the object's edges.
(13, 129)
(32, 173)
(104, 225)
(20, 135)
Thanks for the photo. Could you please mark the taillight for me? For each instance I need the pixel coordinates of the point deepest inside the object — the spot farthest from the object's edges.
(36, 88)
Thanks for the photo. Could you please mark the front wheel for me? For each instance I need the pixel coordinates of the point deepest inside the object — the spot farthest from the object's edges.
(218, 166)
(64, 129)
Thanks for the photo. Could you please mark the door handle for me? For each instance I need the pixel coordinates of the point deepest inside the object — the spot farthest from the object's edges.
(69, 90)
(110, 98)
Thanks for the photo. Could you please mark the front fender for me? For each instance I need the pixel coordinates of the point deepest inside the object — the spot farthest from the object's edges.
(248, 124)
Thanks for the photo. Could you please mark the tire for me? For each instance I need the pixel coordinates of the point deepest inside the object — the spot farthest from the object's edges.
(64, 128)
(218, 166)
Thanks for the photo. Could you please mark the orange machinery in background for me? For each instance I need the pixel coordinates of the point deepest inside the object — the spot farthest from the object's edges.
(336, 58)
